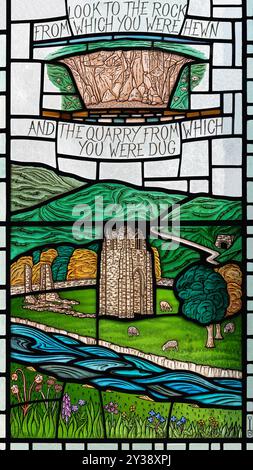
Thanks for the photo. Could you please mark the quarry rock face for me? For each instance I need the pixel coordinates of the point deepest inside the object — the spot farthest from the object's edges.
(126, 79)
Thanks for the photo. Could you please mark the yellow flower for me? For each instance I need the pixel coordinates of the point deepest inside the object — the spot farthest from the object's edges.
(201, 422)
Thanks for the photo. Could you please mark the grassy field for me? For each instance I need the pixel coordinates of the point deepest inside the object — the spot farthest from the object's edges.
(87, 299)
(85, 327)
(154, 332)
(205, 422)
(131, 420)
(168, 296)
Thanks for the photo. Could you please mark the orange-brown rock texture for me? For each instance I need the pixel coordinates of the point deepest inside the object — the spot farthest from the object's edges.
(232, 274)
(82, 265)
(46, 257)
(157, 264)
(18, 270)
(126, 79)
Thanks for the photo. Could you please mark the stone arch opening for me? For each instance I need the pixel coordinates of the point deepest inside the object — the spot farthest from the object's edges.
(139, 290)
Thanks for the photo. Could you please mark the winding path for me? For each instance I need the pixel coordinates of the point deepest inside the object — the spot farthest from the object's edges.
(184, 241)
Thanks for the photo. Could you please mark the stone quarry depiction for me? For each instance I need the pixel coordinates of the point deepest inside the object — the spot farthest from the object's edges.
(126, 276)
(121, 78)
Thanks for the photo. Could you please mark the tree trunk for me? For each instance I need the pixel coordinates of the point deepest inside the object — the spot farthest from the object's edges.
(218, 331)
(209, 342)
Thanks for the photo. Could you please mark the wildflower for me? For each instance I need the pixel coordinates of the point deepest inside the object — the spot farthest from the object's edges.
(81, 402)
(38, 387)
(50, 381)
(15, 389)
(179, 423)
(214, 423)
(183, 420)
(173, 419)
(132, 408)
(201, 423)
(14, 377)
(38, 379)
(124, 415)
(58, 388)
(66, 407)
(162, 419)
(152, 413)
(74, 408)
(151, 420)
(112, 408)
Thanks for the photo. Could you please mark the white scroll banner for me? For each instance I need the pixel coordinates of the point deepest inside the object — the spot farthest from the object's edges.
(135, 142)
(124, 142)
(102, 16)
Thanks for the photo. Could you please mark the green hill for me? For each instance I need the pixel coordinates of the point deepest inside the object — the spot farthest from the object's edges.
(125, 201)
(31, 185)
(110, 199)
(97, 198)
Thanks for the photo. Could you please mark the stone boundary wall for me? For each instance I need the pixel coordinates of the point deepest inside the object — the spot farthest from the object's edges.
(57, 285)
(163, 282)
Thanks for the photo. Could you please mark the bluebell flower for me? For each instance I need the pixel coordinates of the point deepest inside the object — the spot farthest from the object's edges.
(179, 423)
(183, 420)
(152, 413)
(162, 419)
(151, 420)
(158, 416)
(173, 419)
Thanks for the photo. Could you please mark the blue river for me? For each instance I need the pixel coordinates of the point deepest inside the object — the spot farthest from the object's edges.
(69, 360)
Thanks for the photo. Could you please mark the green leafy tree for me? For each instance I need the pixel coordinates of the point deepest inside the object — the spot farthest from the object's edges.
(204, 298)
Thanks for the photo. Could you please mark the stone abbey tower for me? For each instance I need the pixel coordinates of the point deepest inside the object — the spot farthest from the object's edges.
(126, 275)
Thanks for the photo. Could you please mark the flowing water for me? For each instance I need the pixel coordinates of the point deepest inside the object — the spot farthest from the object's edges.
(69, 360)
